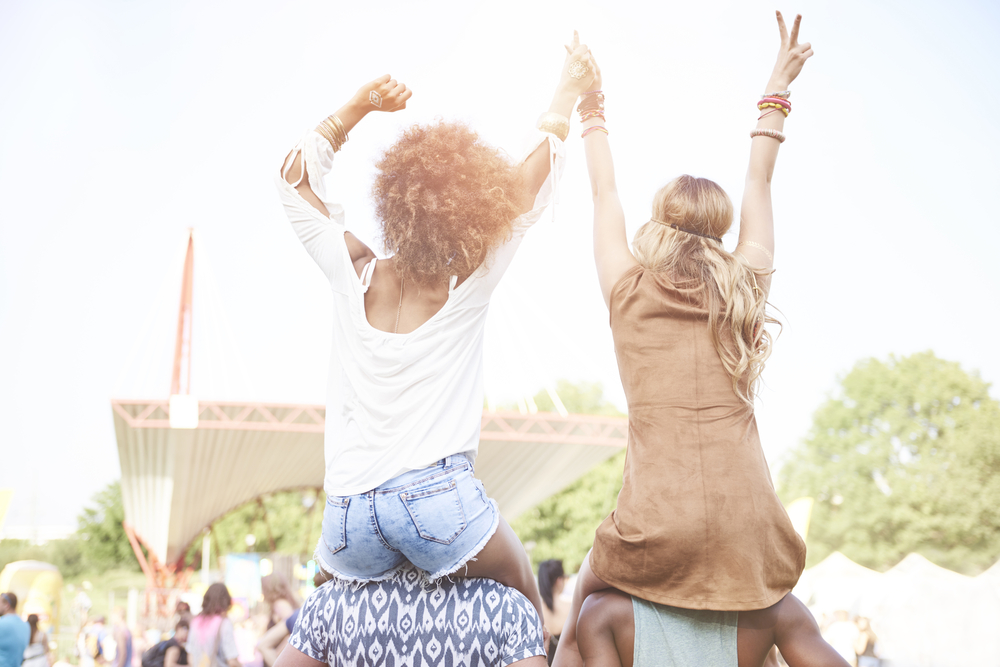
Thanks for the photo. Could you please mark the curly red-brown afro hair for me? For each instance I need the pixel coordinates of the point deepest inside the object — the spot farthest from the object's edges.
(445, 200)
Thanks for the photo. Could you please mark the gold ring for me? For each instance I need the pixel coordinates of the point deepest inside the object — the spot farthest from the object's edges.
(577, 69)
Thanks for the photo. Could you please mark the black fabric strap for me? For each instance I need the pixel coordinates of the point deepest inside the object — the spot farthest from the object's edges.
(687, 231)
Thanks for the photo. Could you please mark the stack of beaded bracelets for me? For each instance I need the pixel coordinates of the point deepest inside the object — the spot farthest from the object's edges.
(777, 102)
(554, 123)
(592, 106)
(332, 129)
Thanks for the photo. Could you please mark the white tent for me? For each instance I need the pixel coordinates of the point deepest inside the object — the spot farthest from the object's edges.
(835, 583)
(991, 577)
(927, 616)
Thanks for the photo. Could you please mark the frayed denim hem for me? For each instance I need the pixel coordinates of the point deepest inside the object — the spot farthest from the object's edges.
(346, 582)
(470, 556)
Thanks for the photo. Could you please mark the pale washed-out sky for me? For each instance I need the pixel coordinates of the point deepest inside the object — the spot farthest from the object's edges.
(123, 123)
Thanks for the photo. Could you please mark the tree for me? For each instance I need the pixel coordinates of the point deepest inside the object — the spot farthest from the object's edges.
(103, 542)
(905, 457)
(563, 525)
(293, 519)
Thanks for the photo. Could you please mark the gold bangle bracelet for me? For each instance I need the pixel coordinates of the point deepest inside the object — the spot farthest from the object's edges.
(337, 126)
(554, 123)
(324, 131)
(340, 127)
(331, 128)
(334, 132)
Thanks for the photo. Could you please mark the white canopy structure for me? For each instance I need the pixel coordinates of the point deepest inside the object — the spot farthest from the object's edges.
(177, 481)
(187, 462)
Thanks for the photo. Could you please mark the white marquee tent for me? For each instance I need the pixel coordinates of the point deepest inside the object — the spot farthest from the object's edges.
(923, 614)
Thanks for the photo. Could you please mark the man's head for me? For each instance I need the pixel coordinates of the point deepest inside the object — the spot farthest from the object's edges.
(181, 631)
(8, 603)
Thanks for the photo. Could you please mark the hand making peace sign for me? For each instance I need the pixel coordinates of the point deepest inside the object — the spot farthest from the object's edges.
(791, 55)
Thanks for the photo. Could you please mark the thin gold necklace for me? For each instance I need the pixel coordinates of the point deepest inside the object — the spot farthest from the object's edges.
(399, 309)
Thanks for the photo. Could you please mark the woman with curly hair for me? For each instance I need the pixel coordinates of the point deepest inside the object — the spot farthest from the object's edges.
(405, 392)
(698, 525)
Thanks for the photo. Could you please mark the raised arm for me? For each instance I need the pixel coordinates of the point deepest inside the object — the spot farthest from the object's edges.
(382, 94)
(611, 251)
(756, 243)
(535, 168)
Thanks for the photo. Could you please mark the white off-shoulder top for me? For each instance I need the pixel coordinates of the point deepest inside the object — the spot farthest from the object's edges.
(398, 402)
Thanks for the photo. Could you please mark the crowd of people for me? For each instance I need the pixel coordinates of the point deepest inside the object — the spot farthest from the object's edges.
(219, 635)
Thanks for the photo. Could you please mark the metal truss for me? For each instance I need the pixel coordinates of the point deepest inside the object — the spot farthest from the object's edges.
(228, 415)
(508, 426)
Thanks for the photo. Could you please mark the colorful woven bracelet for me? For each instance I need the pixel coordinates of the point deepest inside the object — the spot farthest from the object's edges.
(593, 92)
(596, 128)
(767, 132)
(589, 103)
(777, 100)
(783, 94)
(593, 113)
(776, 106)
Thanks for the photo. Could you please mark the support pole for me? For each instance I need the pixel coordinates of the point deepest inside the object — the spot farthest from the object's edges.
(206, 557)
(141, 557)
(267, 524)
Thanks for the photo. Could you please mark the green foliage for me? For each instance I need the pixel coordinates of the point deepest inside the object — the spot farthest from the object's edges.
(15, 550)
(100, 542)
(905, 458)
(563, 525)
(580, 398)
(294, 518)
(102, 539)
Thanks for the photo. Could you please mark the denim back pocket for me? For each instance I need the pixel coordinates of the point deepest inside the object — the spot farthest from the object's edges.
(335, 523)
(436, 511)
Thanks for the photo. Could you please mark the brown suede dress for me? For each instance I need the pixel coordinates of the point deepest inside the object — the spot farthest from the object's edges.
(698, 524)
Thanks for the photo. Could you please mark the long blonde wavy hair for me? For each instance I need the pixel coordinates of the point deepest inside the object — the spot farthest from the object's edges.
(735, 302)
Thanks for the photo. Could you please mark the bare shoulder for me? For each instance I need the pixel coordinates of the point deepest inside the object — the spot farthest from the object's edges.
(607, 607)
(360, 253)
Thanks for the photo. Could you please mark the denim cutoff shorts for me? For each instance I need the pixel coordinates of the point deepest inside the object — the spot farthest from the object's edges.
(437, 518)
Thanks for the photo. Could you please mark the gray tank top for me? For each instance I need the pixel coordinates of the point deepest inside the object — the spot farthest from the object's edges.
(674, 637)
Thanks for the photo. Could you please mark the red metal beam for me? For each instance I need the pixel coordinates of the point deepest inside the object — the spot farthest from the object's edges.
(141, 557)
(180, 382)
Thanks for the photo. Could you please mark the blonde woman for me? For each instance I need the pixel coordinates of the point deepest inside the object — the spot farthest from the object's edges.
(698, 524)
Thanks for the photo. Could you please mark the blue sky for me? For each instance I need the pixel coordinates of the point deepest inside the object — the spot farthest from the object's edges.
(124, 123)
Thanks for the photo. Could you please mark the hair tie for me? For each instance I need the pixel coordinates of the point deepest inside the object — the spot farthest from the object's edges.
(687, 231)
